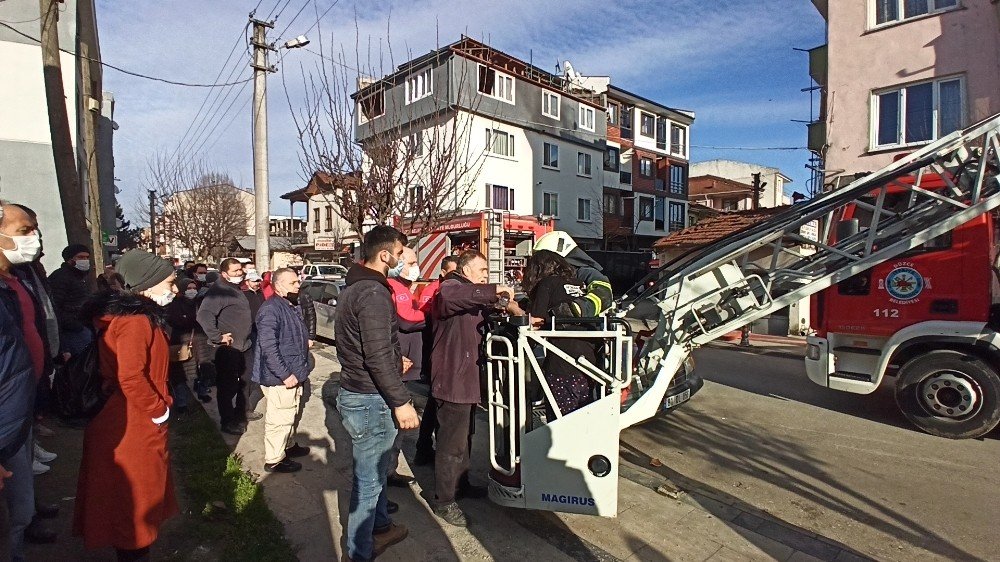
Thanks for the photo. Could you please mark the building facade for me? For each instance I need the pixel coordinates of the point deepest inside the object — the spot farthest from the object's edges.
(898, 74)
(27, 168)
(727, 185)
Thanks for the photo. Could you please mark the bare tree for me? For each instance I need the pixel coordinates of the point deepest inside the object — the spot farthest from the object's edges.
(198, 209)
(421, 168)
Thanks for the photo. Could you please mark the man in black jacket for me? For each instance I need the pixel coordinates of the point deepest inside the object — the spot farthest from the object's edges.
(70, 288)
(225, 316)
(371, 389)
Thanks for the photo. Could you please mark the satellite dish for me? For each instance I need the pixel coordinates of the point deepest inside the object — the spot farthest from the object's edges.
(571, 74)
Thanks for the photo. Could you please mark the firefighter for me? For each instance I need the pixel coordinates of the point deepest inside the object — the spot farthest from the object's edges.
(590, 273)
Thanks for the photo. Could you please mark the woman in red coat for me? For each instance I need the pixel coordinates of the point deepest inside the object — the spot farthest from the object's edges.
(125, 490)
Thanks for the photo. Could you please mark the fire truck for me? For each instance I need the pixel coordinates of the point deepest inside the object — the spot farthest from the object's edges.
(928, 319)
(923, 235)
(505, 239)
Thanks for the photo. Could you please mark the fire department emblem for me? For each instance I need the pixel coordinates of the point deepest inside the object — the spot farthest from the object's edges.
(904, 284)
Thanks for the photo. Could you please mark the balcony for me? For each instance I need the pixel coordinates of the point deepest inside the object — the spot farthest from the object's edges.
(817, 136)
(819, 64)
(822, 6)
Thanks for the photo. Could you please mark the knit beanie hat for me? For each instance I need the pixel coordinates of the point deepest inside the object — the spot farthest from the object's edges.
(142, 270)
(182, 284)
(72, 250)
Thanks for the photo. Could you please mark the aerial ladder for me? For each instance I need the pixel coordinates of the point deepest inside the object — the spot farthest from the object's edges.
(544, 459)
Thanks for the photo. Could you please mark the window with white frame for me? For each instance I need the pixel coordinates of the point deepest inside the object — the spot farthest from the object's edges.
(372, 106)
(416, 195)
(419, 85)
(500, 197)
(586, 117)
(496, 84)
(613, 113)
(612, 157)
(550, 155)
(316, 219)
(678, 140)
(917, 113)
(550, 204)
(500, 143)
(675, 216)
(583, 210)
(647, 124)
(550, 104)
(646, 208)
(611, 204)
(415, 144)
(889, 11)
(646, 167)
(583, 164)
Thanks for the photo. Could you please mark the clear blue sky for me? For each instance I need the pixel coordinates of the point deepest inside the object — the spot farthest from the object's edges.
(732, 62)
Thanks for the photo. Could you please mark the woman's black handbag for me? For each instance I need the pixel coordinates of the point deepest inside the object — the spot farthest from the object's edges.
(78, 388)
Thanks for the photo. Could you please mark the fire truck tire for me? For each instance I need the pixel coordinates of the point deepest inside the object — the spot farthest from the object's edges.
(949, 394)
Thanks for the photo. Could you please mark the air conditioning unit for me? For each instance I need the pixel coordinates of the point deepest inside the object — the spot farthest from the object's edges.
(93, 104)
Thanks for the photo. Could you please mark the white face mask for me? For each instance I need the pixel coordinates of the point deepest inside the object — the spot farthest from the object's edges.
(191, 293)
(200, 277)
(163, 299)
(236, 280)
(412, 274)
(82, 265)
(26, 249)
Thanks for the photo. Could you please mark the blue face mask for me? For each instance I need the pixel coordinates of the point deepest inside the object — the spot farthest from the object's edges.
(397, 270)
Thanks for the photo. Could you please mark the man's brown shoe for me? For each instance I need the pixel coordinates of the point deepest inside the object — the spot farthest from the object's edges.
(388, 537)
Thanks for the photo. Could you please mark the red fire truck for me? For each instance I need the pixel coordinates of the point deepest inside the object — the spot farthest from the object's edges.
(926, 319)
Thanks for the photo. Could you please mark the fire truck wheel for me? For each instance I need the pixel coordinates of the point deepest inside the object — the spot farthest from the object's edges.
(949, 394)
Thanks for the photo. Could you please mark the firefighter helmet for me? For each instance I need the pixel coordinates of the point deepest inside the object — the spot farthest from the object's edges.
(556, 241)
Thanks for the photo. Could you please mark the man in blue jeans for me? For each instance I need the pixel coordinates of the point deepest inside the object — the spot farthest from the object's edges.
(371, 389)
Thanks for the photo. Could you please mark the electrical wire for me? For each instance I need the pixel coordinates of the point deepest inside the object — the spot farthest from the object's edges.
(749, 147)
(295, 17)
(320, 17)
(124, 71)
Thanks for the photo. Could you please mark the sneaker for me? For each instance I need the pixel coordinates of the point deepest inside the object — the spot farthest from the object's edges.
(39, 468)
(42, 455)
(452, 514)
(384, 538)
(284, 465)
(399, 481)
(42, 431)
(233, 428)
(423, 457)
(296, 450)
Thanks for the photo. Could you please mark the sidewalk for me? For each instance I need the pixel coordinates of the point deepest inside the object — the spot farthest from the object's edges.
(669, 525)
(793, 347)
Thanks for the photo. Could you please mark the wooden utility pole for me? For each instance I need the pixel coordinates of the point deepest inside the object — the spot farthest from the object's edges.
(757, 187)
(152, 221)
(70, 194)
(262, 209)
(91, 109)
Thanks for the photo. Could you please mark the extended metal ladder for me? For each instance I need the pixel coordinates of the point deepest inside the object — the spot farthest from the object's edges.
(719, 288)
(495, 247)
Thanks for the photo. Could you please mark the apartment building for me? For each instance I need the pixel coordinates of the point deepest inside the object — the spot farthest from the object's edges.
(27, 167)
(898, 74)
(727, 185)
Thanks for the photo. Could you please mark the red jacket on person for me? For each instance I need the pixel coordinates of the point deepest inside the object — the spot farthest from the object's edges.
(412, 322)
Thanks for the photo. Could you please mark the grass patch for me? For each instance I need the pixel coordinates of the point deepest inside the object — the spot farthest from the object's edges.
(229, 515)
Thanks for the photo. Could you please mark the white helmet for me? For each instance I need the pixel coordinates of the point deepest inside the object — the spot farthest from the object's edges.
(556, 241)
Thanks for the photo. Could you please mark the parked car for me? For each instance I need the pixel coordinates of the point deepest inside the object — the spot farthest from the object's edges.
(323, 271)
(324, 293)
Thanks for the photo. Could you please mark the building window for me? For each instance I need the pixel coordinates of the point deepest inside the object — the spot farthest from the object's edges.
(678, 179)
(646, 208)
(583, 162)
(500, 197)
(419, 85)
(550, 204)
(328, 225)
(500, 143)
(678, 140)
(888, 11)
(416, 195)
(730, 205)
(675, 216)
(613, 113)
(612, 158)
(583, 210)
(415, 144)
(587, 117)
(611, 206)
(646, 167)
(550, 155)
(918, 112)
(550, 104)
(647, 124)
(659, 210)
(626, 122)
(496, 84)
(316, 219)
(372, 106)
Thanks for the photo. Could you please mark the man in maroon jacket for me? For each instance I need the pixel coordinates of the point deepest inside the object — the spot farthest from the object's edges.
(462, 302)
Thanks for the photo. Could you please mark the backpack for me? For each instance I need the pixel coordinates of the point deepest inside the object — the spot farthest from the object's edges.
(78, 388)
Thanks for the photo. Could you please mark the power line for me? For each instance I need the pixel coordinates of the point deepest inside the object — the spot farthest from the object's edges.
(295, 17)
(320, 17)
(122, 70)
(749, 147)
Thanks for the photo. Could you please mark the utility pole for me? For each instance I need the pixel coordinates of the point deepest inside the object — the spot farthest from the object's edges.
(152, 221)
(91, 107)
(262, 210)
(70, 195)
(757, 190)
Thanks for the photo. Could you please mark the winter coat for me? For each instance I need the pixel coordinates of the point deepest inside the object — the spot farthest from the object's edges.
(255, 299)
(459, 325)
(425, 301)
(282, 345)
(17, 378)
(548, 295)
(308, 312)
(367, 335)
(125, 490)
(182, 319)
(412, 322)
(70, 289)
(224, 310)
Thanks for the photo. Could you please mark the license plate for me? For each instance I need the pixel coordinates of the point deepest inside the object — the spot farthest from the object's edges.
(677, 399)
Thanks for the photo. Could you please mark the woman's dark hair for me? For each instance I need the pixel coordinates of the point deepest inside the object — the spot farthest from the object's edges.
(544, 264)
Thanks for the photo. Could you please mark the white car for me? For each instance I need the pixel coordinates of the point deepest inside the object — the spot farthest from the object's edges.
(324, 293)
(323, 271)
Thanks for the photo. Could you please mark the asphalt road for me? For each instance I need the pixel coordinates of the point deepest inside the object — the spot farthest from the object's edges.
(844, 466)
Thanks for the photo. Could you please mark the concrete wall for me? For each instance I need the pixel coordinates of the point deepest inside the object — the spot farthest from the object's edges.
(964, 41)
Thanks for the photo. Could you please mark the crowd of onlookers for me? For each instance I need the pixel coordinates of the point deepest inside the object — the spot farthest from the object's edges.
(164, 337)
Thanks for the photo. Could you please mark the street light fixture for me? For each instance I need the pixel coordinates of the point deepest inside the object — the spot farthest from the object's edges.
(296, 43)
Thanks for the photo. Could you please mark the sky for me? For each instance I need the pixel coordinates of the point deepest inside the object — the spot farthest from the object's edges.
(732, 62)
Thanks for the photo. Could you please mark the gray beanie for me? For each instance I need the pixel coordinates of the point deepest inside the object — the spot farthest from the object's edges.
(142, 270)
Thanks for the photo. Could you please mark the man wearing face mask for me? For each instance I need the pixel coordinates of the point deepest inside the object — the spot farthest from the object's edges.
(225, 316)
(411, 325)
(70, 288)
(280, 367)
